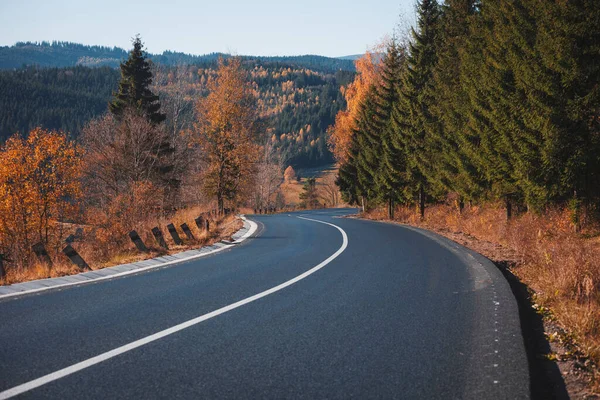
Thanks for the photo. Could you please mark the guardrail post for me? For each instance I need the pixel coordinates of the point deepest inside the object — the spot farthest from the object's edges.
(40, 251)
(2, 270)
(174, 234)
(76, 258)
(188, 232)
(199, 222)
(135, 238)
(159, 237)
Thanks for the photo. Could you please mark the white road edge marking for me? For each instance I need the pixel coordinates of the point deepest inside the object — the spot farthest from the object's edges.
(25, 387)
(253, 228)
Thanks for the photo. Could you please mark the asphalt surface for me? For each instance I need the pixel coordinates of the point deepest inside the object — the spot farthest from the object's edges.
(398, 314)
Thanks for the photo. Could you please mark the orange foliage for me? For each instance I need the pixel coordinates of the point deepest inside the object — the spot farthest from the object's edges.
(289, 175)
(226, 125)
(340, 134)
(39, 186)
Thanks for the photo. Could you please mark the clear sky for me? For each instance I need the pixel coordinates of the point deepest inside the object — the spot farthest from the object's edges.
(261, 27)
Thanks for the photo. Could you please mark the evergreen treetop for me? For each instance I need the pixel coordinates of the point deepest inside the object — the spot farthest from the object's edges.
(134, 88)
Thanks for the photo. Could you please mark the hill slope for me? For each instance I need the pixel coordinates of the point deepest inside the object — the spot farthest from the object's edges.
(67, 54)
(297, 104)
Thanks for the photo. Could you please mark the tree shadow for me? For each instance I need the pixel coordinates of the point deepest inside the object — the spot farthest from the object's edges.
(546, 381)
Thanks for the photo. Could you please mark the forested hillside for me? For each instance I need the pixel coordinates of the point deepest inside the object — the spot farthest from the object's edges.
(53, 98)
(67, 54)
(296, 104)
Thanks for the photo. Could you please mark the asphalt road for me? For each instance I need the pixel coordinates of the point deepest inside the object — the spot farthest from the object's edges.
(391, 313)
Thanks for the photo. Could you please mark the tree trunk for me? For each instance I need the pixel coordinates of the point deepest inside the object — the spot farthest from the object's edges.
(391, 209)
(362, 199)
(220, 204)
(422, 202)
(508, 208)
(461, 205)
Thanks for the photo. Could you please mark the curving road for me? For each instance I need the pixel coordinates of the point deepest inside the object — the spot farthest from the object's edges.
(345, 309)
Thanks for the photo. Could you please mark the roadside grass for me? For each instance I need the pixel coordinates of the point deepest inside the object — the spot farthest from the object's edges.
(561, 266)
(100, 250)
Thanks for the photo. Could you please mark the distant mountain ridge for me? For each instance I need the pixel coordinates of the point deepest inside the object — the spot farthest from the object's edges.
(68, 54)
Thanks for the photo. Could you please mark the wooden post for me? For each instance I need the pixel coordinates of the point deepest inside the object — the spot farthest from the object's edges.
(200, 222)
(159, 237)
(2, 270)
(76, 258)
(135, 238)
(188, 232)
(40, 251)
(422, 202)
(174, 234)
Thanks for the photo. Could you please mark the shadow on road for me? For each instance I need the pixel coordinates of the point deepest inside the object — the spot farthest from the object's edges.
(546, 381)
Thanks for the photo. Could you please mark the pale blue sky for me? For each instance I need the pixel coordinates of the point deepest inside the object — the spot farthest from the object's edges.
(262, 27)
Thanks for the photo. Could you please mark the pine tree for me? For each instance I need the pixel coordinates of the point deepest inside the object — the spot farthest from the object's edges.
(412, 110)
(388, 180)
(134, 88)
(309, 195)
(564, 96)
(367, 145)
(453, 142)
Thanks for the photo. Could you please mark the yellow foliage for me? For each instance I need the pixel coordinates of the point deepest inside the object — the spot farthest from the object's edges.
(226, 125)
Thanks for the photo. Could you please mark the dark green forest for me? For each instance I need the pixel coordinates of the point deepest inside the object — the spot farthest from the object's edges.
(67, 54)
(54, 98)
(490, 100)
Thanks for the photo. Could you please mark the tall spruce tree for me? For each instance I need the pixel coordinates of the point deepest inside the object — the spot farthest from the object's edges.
(134, 88)
(564, 95)
(356, 175)
(134, 96)
(389, 181)
(411, 113)
(454, 143)
(489, 84)
(368, 145)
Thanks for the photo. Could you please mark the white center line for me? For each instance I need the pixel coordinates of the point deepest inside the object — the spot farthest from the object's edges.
(25, 387)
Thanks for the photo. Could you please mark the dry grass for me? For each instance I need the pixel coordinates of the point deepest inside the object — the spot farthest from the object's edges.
(561, 266)
(325, 179)
(101, 252)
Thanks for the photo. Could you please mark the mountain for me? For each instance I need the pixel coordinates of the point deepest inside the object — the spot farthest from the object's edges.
(351, 58)
(67, 54)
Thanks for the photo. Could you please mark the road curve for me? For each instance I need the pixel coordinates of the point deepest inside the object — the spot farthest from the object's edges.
(306, 309)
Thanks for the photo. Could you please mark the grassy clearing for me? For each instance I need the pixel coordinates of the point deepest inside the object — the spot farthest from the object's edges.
(325, 178)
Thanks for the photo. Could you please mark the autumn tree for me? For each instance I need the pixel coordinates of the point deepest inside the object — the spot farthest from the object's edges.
(226, 126)
(289, 175)
(340, 134)
(267, 177)
(39, 188)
